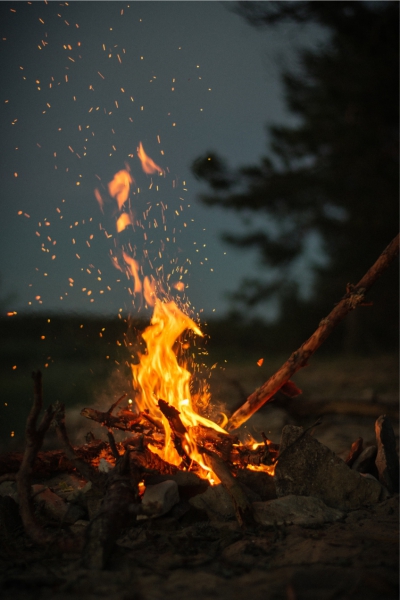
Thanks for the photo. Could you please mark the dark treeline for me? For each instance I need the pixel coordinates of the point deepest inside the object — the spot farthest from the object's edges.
(327, 189)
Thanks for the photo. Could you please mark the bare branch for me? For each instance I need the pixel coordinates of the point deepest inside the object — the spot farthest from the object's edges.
(353, 297)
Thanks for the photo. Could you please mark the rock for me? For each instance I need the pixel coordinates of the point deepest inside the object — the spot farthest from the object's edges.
(158, 499)
(308, 468)
(216, 502)
(67, 485)
(93, 500)
(297, 510)
(387, 461)
(258, 482)
(188, 482)
(54, 506)
(105, 466)
(78, 496)
(9, 488)
(365, 463)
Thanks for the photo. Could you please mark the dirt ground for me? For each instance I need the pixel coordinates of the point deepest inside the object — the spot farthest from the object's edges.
(181, 556)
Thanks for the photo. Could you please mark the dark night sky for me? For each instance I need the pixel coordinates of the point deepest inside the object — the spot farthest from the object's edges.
(83, 84)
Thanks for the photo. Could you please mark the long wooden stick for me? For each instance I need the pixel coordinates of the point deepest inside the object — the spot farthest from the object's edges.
(354, 296)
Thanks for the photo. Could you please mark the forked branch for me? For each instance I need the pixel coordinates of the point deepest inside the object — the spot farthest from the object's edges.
(353, 297)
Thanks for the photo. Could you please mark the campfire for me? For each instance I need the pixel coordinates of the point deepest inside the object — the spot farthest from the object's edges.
(171, 451)
(177, 446)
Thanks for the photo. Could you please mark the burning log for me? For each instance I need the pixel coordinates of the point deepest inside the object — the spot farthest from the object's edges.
(178, 430)
(354, 296)
(125, 420)
(149, 462)
(49, 462)
(207, 438)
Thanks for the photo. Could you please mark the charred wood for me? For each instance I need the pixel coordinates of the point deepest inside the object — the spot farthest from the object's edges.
(178, 430)
(207, 438)
(49, 462)
(125, 420)
(149, 462)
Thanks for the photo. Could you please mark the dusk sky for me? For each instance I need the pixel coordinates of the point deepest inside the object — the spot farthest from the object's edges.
(83, 84)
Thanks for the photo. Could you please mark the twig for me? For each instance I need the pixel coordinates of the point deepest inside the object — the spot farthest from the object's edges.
(178, 430)
(33, 442)
(116, 403)
(113, 445)
(48, 462)
(34, 439)
(86, 470)
(125, 420)
(354, 296)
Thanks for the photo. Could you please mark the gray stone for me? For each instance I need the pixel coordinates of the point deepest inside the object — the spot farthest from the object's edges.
(93, 500)
(158, 499)
(189, 483)
(216, 502)
(67, 486)
(297, 510)
(260, 483)
(182, 478)
(308, 468)
(9, 488)
(54, 506)
(105, 466)
(387, 461)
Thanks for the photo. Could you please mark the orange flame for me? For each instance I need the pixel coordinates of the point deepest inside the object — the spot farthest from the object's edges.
(123, 221)
(120, 186)
(99, 199)
(133, 269)
(149, 291)
(159, 376)
(148, 164)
